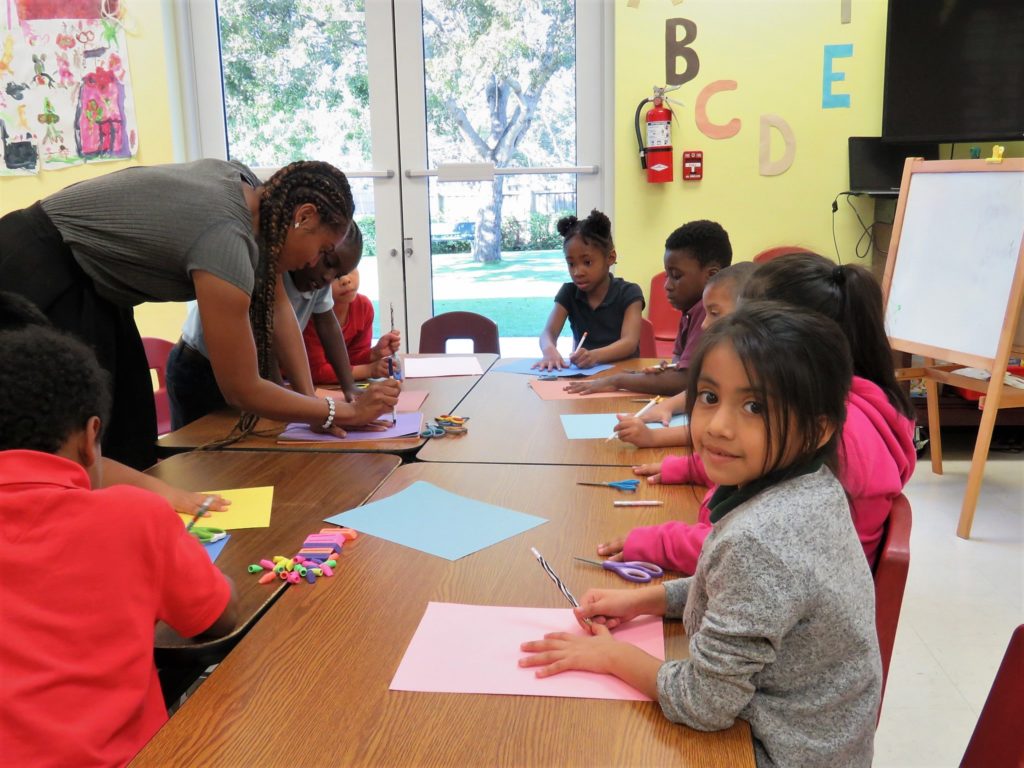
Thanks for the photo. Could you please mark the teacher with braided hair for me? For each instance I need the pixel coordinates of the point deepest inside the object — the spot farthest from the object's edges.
(207, 230)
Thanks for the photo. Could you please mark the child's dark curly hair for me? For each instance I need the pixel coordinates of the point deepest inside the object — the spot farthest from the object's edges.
(50, 386)
(595, 230)
(18, 312)
(706, 240)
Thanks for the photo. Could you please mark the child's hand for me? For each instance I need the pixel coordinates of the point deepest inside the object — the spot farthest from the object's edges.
(387, 345)
(630, 429)
(561, 652)
(583, 358)
(188, 503)
(603, 384)
(379, 368)
(375, 401)
(610, 607)
(651, 471)
(552, 361)
(612, 549)
(661, 412)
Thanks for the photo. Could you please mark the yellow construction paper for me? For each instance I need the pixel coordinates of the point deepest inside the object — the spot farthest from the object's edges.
(250, 508)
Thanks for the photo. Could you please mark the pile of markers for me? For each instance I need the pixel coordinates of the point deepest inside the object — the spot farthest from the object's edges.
(318, 557)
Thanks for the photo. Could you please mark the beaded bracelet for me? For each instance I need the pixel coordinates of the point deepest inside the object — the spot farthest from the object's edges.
(330, 413)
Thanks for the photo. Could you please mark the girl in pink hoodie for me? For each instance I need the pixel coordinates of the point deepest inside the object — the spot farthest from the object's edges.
(876, 454)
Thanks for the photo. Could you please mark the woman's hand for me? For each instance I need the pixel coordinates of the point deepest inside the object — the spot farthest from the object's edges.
(631, 429)
(376, 400)
(651, 471)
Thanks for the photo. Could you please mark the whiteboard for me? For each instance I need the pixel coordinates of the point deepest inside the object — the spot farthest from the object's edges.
(955, 260)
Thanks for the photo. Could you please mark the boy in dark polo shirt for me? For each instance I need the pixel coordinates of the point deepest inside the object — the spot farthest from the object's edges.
(693, 253)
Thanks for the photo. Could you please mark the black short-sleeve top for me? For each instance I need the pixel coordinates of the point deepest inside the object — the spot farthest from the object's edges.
(603, 324)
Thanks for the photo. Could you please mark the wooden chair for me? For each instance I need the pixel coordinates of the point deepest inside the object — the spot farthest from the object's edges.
(891, 579)
(780, 250)
(663, 316)
(435, 332)
(648, 341)
(157, 351)
(997, 738)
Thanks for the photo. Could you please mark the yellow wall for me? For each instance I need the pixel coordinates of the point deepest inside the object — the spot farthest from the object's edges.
(151, 66)
(774, 50)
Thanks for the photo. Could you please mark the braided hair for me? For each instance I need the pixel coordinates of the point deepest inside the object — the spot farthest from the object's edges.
(306, 181)
(595, 230)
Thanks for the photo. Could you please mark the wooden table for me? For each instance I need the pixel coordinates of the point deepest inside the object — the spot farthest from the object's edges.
(309, 683)
(511, 424)
(307, 488)
(446, 392)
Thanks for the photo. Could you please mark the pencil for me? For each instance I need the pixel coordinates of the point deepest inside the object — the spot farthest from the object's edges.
(203, 509)
(651, 403)
(638, 503)
(558, 582)
(391, 373)
(579, 346)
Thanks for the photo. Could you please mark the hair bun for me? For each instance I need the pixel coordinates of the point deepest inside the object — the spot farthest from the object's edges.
(566, 224)
(599, 224)
(838, 275)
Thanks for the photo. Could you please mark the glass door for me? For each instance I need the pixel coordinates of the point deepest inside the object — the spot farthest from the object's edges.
(461, 126)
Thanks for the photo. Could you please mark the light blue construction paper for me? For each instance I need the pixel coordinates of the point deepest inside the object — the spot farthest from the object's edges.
(214, 549)
(437, 522)
(524, 366)
(589, 426)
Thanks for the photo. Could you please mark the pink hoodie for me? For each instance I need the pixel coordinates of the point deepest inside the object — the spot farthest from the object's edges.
(876, 458)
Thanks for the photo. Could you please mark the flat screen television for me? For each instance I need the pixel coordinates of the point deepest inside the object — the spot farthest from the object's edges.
(954, 71)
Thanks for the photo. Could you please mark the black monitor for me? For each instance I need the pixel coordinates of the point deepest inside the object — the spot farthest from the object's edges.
(876, 167)
(954, 71)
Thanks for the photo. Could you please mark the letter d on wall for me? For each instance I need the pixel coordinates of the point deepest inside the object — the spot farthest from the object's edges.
(767, 166)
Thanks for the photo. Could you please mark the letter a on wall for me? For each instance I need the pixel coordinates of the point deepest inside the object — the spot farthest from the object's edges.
(767, 166)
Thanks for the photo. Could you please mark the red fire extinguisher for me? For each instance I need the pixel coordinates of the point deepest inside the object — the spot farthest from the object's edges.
(656, 156)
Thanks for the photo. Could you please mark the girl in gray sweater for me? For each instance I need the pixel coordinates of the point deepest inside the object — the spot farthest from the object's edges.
(780, 612)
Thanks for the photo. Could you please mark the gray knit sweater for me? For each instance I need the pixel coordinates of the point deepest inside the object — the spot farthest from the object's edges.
(780, 616)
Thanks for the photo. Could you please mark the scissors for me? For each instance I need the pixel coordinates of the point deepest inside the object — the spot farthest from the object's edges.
(432, 429)
(208, 535)
(627, 486)
(633, 570)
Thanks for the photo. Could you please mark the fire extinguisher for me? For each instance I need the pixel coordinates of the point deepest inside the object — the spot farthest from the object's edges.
(656, 156)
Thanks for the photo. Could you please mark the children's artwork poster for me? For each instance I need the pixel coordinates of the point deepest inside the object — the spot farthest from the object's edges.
(65, 92)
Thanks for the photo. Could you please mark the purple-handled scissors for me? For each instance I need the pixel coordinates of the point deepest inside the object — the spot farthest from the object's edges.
(632, 570)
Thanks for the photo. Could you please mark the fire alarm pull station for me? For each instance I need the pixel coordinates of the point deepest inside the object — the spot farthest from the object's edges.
(693, 165)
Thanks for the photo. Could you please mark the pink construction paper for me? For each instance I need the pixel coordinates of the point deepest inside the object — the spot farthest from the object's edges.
(555, 390)
(449, 365)
(475, 649)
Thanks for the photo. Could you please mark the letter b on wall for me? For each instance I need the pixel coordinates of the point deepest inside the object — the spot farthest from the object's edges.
(677, 48)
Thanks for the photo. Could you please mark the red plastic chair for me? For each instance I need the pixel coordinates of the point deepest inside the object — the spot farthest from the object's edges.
(664, 317)
(435, 332)
(781, 250)
(648, 342)
(157, 351)
(891, 580)
(997, 738)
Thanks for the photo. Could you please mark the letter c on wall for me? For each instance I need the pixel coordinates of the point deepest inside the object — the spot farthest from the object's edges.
(700, 113)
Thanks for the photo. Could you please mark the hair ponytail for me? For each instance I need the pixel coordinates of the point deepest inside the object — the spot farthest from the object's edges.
(848, 294)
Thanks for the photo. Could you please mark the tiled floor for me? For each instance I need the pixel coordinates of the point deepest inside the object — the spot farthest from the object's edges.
(963, 600)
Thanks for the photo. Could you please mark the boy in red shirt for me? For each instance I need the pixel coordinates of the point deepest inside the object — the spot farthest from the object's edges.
(88, 572)
(354, 314)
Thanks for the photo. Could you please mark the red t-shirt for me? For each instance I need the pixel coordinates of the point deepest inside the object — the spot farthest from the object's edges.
(87, 574)
(358, 333)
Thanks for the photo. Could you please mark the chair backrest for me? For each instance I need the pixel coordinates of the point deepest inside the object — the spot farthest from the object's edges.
(781, 250)
(997, 737)
(435, 332)
(157, 351)
(648, 342)
(662, 315)
(891, 579)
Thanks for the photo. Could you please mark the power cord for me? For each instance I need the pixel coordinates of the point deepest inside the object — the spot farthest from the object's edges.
(866, 240)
